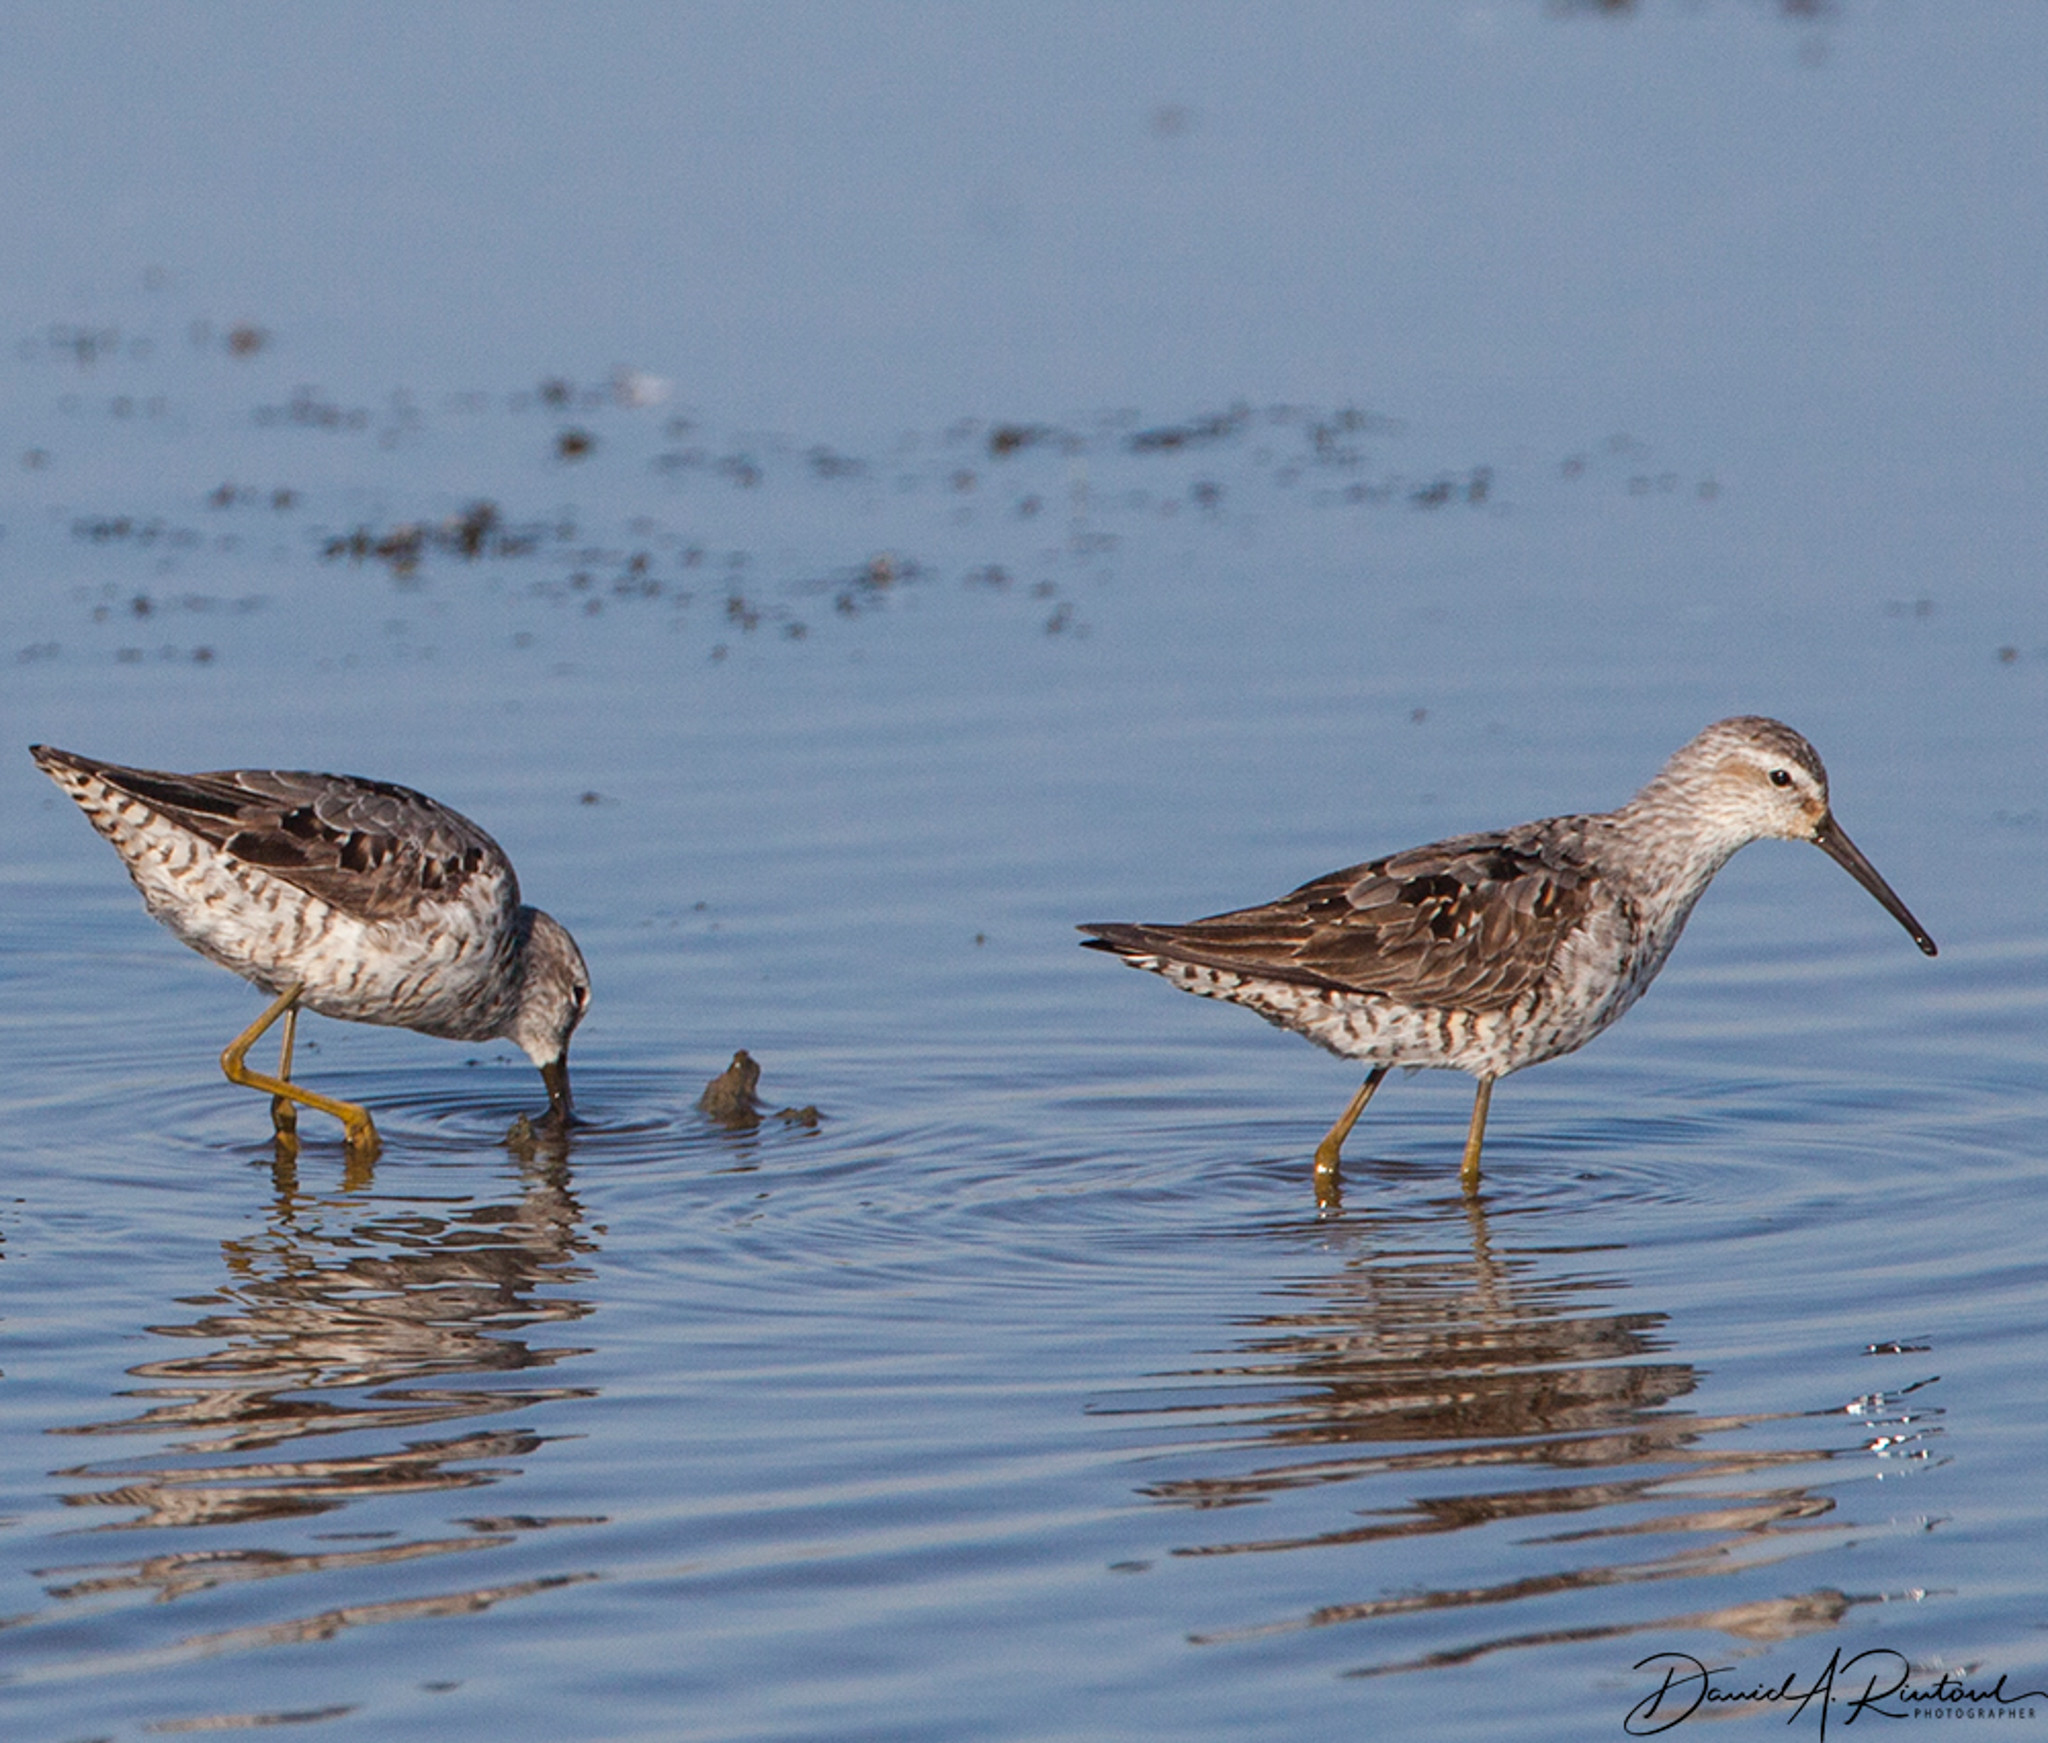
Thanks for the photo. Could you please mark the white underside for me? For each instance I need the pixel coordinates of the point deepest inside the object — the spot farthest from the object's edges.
(1601, 971)
(435, 970)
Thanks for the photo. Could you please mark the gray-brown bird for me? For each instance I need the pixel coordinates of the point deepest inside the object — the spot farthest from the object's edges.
(1487, 953)
(356, 899)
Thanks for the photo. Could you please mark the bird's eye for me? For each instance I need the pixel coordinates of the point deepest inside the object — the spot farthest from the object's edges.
(1781, 777)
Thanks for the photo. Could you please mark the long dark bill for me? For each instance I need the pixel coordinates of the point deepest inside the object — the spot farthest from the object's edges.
(1828, 837)
(555, 1074)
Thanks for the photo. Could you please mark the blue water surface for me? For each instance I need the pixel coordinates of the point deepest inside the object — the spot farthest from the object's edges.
(845, 494)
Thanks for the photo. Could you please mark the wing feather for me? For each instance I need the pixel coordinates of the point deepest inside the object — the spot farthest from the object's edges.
(1470, 923)
(372, 849)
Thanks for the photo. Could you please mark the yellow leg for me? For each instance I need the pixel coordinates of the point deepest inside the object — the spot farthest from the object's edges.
(1329, 1190)
(362, 1132)
(284, 1117)
(1468, 1175)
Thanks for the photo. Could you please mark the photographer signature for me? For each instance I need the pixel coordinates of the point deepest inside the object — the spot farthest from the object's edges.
(1863, 1684)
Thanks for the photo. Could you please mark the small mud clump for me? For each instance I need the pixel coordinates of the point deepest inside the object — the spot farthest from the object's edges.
(729, 1098)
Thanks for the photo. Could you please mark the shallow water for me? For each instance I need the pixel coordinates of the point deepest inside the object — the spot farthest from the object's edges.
(1024, 1393)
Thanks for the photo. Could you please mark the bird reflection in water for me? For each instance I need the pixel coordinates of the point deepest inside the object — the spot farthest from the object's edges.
(1430, 1355)
(343, 1318)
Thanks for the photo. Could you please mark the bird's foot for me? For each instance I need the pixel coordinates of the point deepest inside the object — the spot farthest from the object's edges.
(1329, 1182)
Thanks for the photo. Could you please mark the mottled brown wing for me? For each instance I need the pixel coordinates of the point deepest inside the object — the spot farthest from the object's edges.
(1470, 923)
(370, 848)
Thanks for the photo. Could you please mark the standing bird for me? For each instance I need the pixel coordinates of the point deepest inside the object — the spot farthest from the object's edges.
(1486, 953)
(355, 899)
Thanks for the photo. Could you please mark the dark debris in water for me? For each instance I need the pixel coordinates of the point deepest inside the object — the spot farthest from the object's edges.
(1196, 433)
(729, 1098)
(1473, 488)
(1029, 513)
(306, 410)
(478, 531)
(1007, 439)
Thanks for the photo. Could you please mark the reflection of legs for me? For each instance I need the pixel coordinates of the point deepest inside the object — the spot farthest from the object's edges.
(362, 1133)
(283, 1116)
(1468, 1175)
(1328, 1188)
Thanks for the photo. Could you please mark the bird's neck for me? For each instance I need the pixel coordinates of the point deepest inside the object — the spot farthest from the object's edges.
(1674, 849)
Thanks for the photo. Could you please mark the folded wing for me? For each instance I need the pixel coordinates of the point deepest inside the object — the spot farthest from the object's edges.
(1469, 923)
(371, 849)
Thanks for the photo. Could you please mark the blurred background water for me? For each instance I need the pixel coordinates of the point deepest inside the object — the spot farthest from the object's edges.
(845, 493)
